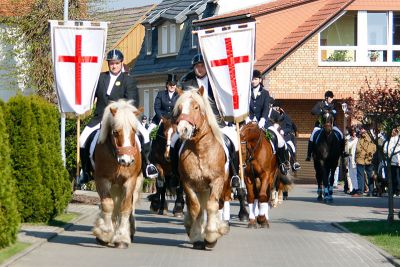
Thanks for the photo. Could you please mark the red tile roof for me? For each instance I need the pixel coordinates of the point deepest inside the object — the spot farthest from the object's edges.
(322, 11)
(374, 5)
(283, 25)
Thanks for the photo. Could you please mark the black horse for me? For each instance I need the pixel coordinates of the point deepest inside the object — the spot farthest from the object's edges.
(327, 150)
(160, 156)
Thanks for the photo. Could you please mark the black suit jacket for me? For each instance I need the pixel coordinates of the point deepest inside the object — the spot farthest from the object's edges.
(163, 105)
(124, 87)
(189, 80)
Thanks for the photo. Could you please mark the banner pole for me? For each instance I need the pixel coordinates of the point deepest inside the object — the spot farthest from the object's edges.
(78, 156)
(240, 157)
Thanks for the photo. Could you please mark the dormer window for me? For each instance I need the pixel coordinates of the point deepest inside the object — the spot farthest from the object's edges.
(148, 39)
(167, 39)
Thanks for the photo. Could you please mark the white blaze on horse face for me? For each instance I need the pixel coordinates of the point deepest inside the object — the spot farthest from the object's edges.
(169, 134)
(125, 159)
(184, 128)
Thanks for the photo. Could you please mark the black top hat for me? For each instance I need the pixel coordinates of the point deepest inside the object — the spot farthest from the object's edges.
(172, 79)
(257, 74)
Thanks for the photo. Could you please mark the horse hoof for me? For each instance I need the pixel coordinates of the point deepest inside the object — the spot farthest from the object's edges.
(252, 224)
(178, 214)
(101, 242)
(210, 244)
(243, 217)
(200, 245)
(121, 245)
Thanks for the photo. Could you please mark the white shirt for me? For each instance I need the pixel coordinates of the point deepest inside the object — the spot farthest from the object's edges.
(113, 78)
(170, 94)
(255, 91)
(203, 82)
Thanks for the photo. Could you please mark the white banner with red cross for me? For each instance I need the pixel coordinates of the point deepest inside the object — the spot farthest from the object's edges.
(77, 51)
(229, 56)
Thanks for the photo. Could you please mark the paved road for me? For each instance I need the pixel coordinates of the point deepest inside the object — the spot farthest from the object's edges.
(301, 234)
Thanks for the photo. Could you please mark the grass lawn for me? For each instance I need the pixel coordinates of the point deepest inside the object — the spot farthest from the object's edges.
(58, 221)
(8, 252)
(380, 233)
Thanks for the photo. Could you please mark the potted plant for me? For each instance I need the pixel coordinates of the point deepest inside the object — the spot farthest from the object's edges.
(374, 55)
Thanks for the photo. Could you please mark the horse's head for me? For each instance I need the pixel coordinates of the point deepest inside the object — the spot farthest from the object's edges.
(119, 126)
(327, 121)
(191, 111)
(167, 128)
(249, 132)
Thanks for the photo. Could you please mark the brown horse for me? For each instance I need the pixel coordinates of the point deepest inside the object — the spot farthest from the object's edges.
(160, 155)
(260, 172)
(117, 174)
(202, 168)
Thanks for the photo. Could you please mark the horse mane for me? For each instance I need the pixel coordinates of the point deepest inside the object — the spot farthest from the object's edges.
(204, 107)
(125, 116)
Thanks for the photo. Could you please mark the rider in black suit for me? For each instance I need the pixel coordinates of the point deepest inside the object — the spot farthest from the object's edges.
(196, 78)
(165, 100)
(112, 86)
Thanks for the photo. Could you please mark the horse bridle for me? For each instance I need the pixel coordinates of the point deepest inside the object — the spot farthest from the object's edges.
(120, 150)
(250, 151)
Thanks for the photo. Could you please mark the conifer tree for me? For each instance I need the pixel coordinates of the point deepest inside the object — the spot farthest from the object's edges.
(9, 217)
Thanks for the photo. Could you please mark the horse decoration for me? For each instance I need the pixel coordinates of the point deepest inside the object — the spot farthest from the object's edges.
(327, 150)
(202, 167)
(260, 173)
(160, 156)
(117, 174)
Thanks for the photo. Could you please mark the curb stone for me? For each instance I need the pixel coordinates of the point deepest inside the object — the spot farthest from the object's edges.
(393, 260)
(34, 245)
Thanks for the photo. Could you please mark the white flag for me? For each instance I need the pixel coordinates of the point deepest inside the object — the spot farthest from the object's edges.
(77, 50)
(229, 55)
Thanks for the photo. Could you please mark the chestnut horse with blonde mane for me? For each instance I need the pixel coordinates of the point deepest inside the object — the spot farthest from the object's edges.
(117, 174)
(260, 173)
(202, 167)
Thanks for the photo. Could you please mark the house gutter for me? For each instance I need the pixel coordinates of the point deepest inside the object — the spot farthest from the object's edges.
(200, 23)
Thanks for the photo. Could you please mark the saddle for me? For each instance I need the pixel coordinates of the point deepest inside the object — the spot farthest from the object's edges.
(319, 132)
(272, 138)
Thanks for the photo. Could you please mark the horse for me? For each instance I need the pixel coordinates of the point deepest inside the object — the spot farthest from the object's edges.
(203, 168)
(260, 173)
(160, 155)
(327, 150)
(117, 174)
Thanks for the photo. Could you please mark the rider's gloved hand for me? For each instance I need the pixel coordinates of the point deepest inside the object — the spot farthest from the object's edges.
(247, 120)
(261, 123)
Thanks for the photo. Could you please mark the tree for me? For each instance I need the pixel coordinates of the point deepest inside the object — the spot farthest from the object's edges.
(29, 35)
(378, 107)
(9, 217)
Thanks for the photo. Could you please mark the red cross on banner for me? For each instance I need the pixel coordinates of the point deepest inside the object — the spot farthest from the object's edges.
(231, 61)
(78, 59)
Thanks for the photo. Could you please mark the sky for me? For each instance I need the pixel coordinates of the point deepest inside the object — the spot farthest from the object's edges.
(120, 4)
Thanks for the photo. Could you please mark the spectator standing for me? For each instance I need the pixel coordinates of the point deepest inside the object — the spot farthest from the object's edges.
(365, 150)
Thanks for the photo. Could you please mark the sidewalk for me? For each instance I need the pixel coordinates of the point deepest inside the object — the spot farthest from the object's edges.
(303, 232)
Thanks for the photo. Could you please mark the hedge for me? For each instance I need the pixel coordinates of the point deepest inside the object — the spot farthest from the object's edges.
(9, 217)
(42, 182)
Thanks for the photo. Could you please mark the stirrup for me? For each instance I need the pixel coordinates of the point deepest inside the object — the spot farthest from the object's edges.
(296, 166)
(151, 171)
(283, 169)
(235, 181)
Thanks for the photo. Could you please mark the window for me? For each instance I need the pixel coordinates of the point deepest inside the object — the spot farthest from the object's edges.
(338, 42)
(168, 37)
(195, 39)
(146, 99)
(149, 38)
(396, 37)
(361, 37)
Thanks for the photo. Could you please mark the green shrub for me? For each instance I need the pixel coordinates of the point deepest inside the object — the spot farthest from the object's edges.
(55, 176)
(9, 217)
